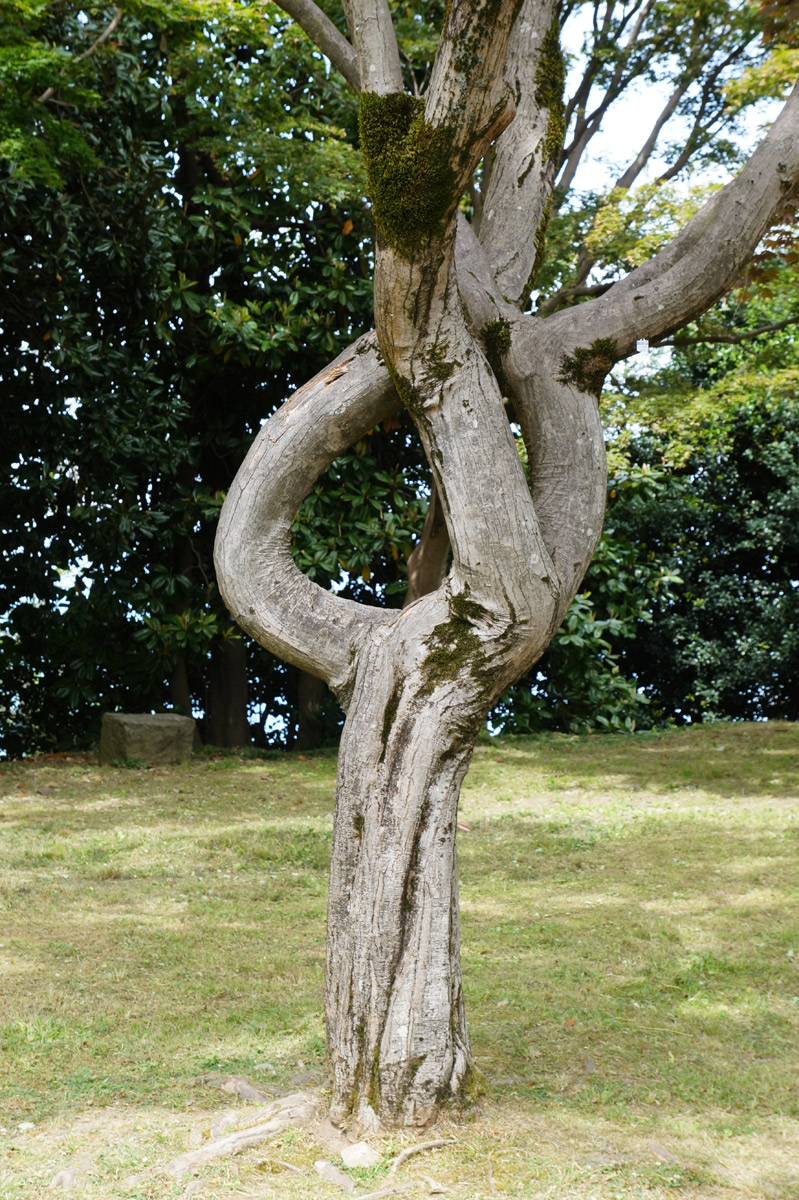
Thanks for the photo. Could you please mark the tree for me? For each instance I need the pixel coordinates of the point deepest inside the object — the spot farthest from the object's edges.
(450, 343)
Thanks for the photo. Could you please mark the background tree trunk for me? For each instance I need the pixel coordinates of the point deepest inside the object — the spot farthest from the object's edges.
(311, 693)
(226, 709)
(179, 691)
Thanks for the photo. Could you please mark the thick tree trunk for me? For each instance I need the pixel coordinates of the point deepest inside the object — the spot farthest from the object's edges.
(394, 1006)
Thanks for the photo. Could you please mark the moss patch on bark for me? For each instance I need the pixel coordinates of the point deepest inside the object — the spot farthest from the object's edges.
(410, 179)
(550, 80)
(588, 366)
(454, 646)
(496, 340)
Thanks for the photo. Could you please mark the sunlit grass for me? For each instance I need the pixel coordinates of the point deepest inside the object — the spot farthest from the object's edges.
(630, 949)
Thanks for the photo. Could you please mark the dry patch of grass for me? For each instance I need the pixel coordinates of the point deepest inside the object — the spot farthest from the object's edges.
(631, 960)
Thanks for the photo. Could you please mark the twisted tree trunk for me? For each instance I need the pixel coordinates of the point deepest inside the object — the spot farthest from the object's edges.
(395, 1018)
(452, 346)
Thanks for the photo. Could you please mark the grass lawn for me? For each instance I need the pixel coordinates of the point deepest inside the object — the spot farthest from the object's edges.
(630, 952)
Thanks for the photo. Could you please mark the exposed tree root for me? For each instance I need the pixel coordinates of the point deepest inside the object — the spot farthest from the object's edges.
(300, 1110)
(418, 1149)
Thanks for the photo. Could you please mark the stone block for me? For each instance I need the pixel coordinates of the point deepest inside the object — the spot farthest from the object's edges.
(146, 737)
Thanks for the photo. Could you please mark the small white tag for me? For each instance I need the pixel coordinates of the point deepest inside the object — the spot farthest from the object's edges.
(641, 345)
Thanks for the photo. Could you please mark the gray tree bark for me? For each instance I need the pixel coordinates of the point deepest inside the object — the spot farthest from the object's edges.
(451, 345)
(427, 562)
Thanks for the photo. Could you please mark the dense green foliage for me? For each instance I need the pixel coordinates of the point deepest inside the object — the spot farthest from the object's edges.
(185, 241)
(727, 643)
(578, 684)
(162, 294)
(722, 419)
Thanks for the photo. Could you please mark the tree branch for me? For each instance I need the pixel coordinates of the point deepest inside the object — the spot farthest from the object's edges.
(579, 100)
(467, 85)
(628, 178)
(517, 198)
(729, 339)
(586, 127)
(586, 260)
(48, 93)
(427, 562)
(560, 424)
(375, 41)
(698, 267)
(326, 37)
(702, 126)
(698, 132)
(264, 590)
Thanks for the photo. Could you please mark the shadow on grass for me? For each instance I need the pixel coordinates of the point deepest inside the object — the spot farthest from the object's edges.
(728, 760)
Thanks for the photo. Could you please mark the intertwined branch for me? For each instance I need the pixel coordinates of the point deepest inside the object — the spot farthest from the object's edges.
(493, 91)
(452, 345)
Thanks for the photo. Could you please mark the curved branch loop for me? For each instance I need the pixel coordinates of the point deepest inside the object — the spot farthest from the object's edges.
(265, 591)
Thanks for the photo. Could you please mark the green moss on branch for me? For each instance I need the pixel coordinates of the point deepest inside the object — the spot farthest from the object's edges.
(389, 716)
(410, 179)
(540, 243)
(496, 339)
(550, 79)
(588, 366)
(438, 368)
(454, 647)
